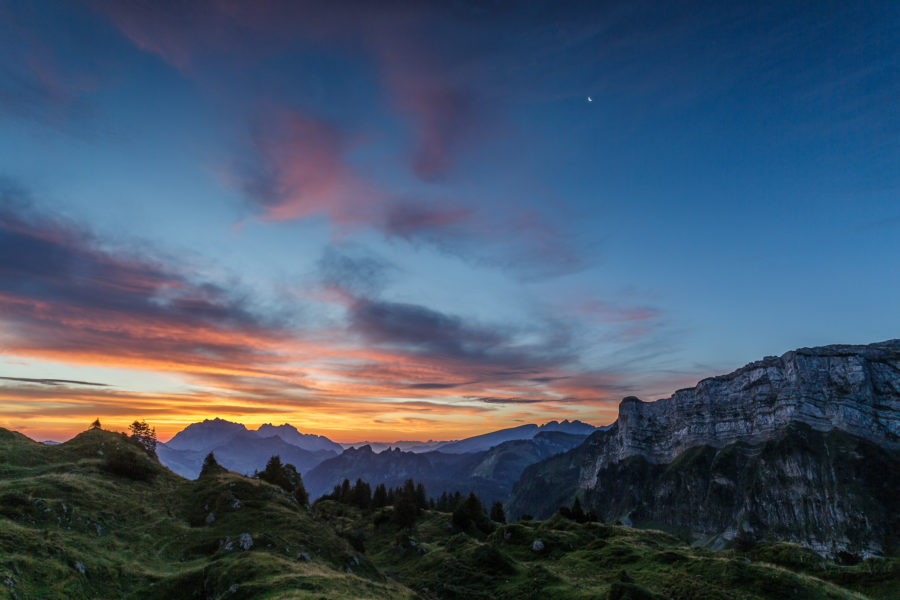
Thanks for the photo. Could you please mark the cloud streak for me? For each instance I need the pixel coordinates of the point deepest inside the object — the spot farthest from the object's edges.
(54, 382)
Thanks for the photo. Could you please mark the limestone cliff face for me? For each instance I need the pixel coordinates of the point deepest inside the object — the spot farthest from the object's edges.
(826, 493)
(855, 389)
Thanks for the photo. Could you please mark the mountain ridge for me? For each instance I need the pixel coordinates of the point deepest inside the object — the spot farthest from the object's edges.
(851, 390)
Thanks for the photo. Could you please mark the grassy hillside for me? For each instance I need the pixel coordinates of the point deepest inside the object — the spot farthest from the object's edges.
(594, 560)
(76, 523)
(71, 529)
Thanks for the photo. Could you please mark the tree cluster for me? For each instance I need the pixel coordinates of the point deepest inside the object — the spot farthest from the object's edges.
(469, 514)
(577, 514)
(361, 495)
(284, 476)
(410, 499)
(143, 434)
(448, 502)
(407, 500)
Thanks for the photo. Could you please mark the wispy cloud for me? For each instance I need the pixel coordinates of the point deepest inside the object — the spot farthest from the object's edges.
(54, 382)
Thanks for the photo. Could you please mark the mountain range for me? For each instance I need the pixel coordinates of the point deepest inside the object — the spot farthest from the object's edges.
(804, 448)
(241, 449)
(489, 473)
(245, 450)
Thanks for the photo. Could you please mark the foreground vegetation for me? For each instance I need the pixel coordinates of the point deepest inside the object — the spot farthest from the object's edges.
(98, 517)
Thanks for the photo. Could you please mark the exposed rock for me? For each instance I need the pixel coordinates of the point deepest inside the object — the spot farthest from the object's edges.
(852, 388)
(80, 568)
(537, 546)
(304, 557)
(804, 447)
(246, 541)
(210, 518)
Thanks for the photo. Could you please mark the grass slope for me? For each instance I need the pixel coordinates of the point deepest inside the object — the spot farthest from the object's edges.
(70, 529)
(596, 561)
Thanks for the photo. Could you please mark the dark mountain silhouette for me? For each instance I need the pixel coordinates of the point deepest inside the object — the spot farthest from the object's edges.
(490, 473)
(307, 441)
(523, 432)
(243, 450)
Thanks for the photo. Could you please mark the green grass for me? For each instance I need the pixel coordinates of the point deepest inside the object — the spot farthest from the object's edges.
(69, 528)
(594, 560)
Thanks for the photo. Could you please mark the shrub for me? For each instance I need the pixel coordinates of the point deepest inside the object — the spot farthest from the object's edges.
(126, 463)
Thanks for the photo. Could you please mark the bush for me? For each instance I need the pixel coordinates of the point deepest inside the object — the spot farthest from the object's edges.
(125, 463)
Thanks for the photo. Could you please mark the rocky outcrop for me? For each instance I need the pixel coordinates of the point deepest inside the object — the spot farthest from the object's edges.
(756, 479)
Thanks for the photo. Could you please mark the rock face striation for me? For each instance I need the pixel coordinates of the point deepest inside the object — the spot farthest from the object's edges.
(804, 447)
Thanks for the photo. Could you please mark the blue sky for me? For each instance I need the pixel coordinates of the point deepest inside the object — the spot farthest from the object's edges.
(409, 220)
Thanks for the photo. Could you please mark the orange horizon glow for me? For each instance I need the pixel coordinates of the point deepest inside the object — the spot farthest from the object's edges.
(64, 430)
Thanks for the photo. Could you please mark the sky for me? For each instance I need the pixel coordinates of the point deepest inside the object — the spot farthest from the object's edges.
(415, 220)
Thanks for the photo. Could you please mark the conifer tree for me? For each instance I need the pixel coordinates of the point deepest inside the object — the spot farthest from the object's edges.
(210, 465)
(421, 497)
(380, 496)
(497, 513)
(361, 495)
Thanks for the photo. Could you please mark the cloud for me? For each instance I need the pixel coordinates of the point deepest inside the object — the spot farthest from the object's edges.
(512, 399)
(297, 170)
(423, 332)
(441, 111)
(63, 293)
(54, 382)
(44, 79)
(296, 162)
(67, 295)
(355, 270)
(435, 386)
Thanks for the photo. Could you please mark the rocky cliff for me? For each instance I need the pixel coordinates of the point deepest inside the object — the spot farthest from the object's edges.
(802, 447)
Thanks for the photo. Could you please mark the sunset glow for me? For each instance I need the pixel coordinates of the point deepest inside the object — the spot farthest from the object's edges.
(404, 221)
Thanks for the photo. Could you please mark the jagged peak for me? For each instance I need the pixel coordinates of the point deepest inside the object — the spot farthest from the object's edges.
(365, 449)
(216, 421)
